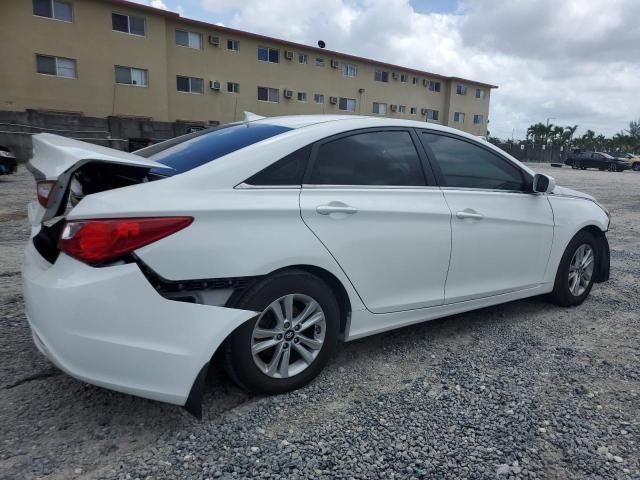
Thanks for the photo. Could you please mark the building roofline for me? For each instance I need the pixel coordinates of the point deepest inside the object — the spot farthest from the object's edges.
(178, 17)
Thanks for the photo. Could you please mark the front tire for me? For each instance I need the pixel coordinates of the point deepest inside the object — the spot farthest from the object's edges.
(577, 270)
(612, 167)
(291, 340)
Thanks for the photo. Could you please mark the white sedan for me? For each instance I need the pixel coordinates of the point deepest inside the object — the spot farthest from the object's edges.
(274, 238)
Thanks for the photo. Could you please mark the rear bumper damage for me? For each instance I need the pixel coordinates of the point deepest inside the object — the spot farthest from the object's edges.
(109, 327)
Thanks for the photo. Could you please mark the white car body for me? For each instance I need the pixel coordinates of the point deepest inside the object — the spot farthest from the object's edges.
(410, 254)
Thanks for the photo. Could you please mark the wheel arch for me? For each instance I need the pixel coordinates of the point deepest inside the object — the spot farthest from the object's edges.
(602, 244)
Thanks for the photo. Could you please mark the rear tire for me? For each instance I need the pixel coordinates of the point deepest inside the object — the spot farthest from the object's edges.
(636, 167)
(302, 338)
(576, 273)
(612, 167)
(577, 165)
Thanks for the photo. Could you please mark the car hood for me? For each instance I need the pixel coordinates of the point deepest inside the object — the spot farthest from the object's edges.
(568, 192)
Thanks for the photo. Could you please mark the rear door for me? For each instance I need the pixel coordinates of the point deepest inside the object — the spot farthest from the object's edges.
(501, 230)
(372, 202)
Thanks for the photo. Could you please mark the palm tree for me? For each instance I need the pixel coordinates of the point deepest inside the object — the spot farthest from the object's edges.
(537, 133)
(568, 134)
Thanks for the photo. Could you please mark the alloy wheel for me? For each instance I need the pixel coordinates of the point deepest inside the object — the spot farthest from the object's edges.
(581, 269)
(288, 336)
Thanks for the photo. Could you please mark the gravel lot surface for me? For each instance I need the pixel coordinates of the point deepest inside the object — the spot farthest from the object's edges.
(522, 390)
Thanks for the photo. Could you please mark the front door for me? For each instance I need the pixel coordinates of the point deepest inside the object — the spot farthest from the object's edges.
(367, 199)
(501, 231)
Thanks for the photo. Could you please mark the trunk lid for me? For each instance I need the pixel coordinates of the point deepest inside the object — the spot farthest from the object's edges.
(91, 168)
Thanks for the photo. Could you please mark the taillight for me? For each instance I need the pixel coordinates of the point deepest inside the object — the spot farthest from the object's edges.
(100, 240)
(44, 189)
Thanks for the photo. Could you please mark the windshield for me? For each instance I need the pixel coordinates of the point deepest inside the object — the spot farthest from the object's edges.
(190, 151)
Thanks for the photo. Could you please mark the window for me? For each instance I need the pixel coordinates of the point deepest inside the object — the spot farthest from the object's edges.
(53, 9)
(404, 78)
(458, 117)
(190, 84)
(415, 80)
(266, 54)
(414, 110)
(303, 58)
(302, 96)
(266, 94)
(349, 70)
(127, 24)
(347, 104)
(374, 158)
(286, 171)
(233, 87)
(381, 76)
(461, 89)
(192, 150)
(478, 119)
(58, 66)
(233, 45)
(434, 86)
(402, 109)
(466, 165)
(131, 76)
(380, 108)
(189, 39)
(480, 93)
(319, 62)
(318, 98)
(432, 114)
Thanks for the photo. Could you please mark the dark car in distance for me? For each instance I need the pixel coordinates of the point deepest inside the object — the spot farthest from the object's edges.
(8, 162)
(583, 159)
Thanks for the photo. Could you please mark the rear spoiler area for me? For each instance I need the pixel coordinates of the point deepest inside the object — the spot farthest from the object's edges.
(58, 161)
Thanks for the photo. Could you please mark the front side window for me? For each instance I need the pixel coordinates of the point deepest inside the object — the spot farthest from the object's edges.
(375, 158)
(233, 45)
(58, 66)
(461, 89)
(189, 39)
(380, 108)
(318, 98)
(127, 24)
(466, 165)
(270, 55)
(190, 84)
(131, 76)
(478, 119)
(458, 117)
(195, 149)
(55, 9)
(349, 70)
(347, 104)
(381, 76)
(267, 94)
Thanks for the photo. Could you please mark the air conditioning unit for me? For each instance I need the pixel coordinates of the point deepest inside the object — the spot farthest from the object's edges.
(425, 82)
(394, 75)
(424, 111)
(335, 63)
(393, 108)
(288, 54)
(288, 94)
(214, 85)
(213, 40)
(333, 100)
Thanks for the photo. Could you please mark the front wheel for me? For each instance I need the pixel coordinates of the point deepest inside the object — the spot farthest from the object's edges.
(577, 165)
(291, 340)
(576, 272)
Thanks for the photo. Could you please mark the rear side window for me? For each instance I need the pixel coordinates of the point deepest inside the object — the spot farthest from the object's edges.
(286, 171)
(375, 158)
(208, 145)
(465, 165)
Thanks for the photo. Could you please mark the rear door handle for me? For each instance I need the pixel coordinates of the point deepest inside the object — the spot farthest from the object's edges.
(336, 208)
(469, 213)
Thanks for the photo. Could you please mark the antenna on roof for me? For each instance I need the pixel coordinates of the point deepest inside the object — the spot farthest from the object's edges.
(321, 44)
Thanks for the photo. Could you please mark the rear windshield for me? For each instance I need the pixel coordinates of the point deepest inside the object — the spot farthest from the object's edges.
(195, 149)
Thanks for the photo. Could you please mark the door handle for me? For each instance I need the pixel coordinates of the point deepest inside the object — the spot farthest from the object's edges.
(336, 208)
(469, 213)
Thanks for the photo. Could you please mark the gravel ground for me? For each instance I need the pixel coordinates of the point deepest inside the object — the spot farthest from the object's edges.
(522, 390)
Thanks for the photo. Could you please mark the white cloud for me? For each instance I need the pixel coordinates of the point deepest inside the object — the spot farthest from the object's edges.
(576, 61)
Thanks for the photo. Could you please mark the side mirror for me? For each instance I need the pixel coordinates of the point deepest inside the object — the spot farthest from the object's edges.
(543, 183)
